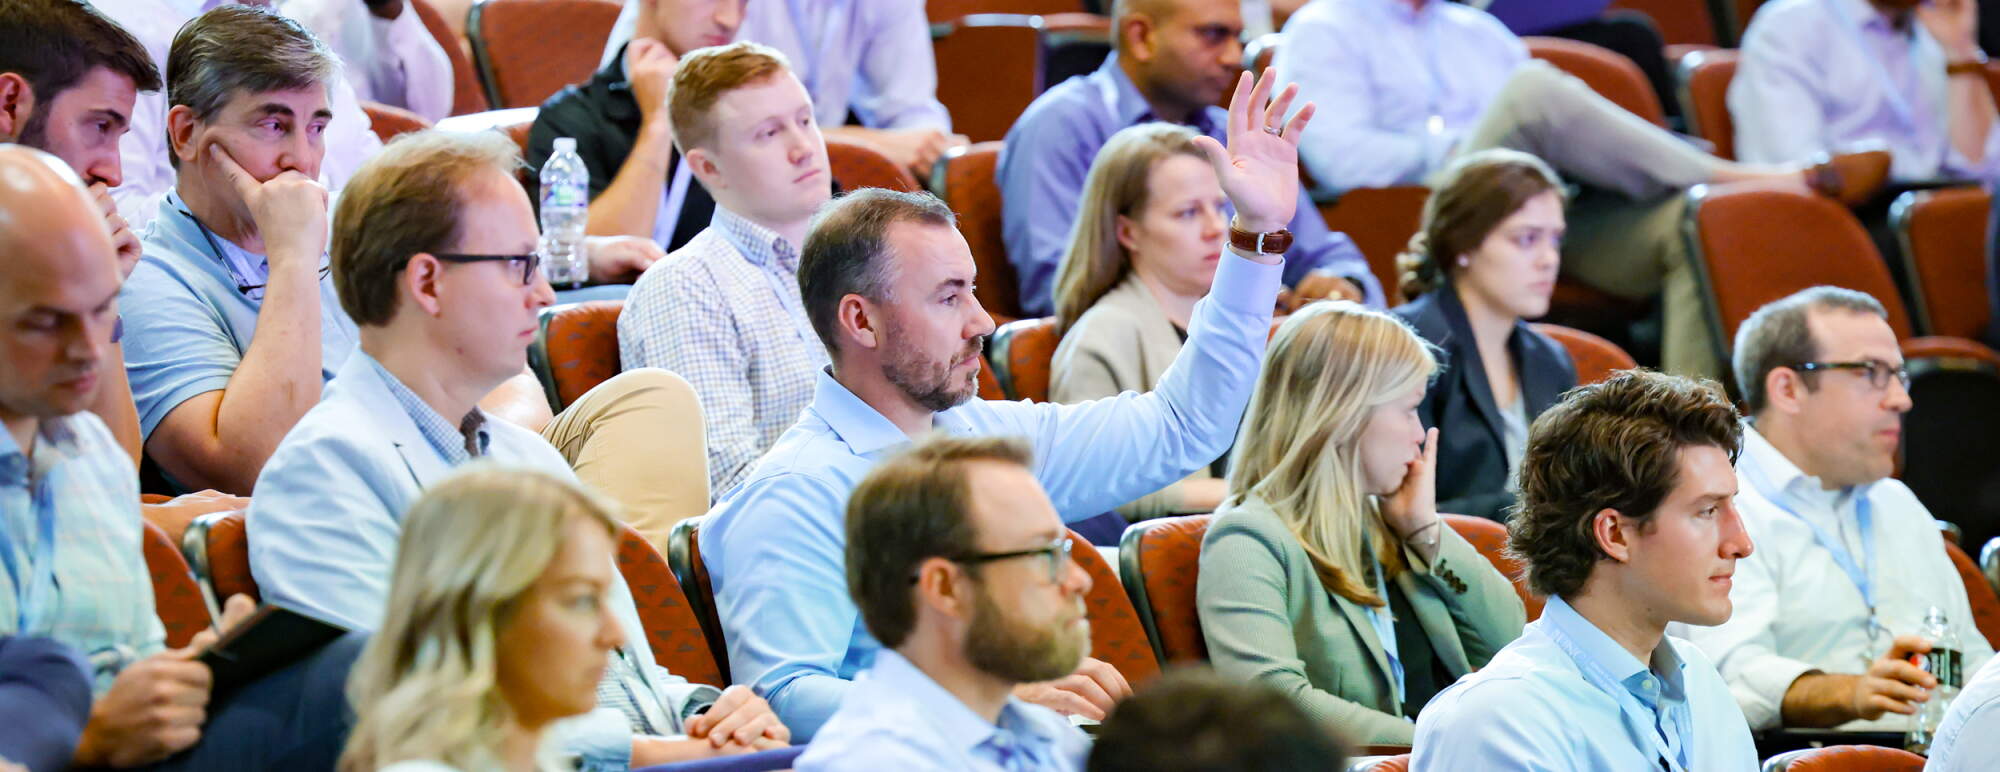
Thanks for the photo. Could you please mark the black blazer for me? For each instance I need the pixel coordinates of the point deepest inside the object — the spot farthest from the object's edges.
(1472, 461)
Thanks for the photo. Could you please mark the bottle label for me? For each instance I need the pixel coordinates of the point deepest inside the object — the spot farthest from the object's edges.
(1946, 665)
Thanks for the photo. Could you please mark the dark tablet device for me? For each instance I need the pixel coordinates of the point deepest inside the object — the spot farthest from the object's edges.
(273, 637)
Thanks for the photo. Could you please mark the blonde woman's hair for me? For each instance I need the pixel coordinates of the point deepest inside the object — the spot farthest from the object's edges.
(1116, 186)
(1474, 195)
(1328, 366)
(425, 688)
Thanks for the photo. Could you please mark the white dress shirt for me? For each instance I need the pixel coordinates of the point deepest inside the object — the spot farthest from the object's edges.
(143, 151)
(1796, 609)
(871, 56)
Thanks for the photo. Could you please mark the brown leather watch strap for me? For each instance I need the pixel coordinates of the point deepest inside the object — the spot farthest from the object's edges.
(1269, 243)
(1975, 65)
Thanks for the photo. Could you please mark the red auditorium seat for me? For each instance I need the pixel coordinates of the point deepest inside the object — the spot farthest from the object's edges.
(176, 595)
(1846, 758)
(527, 50)
(1490, 538)
(684, 558)
(1381, 222)
(1595, 358)
(1023, 352)
(575, 348)
(964, 178)
(467, 95)
(388, 121)
(673, 629)
(1978, 592)
(1116, 634)
(947, 10)
(1158, 562)
(218, 550)
(1704, 87)
(990, 67)
(856, 166)
(1944, 249)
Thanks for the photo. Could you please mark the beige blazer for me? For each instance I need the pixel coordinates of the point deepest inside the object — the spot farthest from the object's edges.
(1267, 616)
(1123, 343)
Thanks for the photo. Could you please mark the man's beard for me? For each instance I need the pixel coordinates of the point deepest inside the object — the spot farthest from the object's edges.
(1021, 653)
(930, 384)
(34, 133)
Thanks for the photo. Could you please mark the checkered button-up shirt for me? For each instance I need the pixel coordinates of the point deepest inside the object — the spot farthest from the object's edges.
(101, 601)
(457, 443)
(724, 312)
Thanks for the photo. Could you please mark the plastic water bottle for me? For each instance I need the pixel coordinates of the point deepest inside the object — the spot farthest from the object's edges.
(1945, 662)
(565, 208)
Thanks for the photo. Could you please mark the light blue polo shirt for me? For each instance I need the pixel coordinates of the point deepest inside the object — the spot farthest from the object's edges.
(187, 323)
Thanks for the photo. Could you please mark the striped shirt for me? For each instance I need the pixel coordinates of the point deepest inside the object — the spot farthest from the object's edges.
(724, 312)
(101, 602)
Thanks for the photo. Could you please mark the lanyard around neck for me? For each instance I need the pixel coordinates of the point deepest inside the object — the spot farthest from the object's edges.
(1673, 752)
(1862, 572)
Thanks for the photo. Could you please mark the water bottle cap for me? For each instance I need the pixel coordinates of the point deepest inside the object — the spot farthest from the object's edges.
(565, 143)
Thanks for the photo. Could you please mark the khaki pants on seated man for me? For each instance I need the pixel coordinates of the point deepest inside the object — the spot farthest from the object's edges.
(637, 439)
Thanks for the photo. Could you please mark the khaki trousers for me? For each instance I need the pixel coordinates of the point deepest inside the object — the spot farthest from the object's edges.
(637, 440)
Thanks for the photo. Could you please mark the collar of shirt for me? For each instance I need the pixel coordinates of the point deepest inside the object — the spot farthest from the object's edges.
(860, 425)
(1875, 21)
(1400, 10)
(1663, 682)
(239, 265)
(613, 91)
(448, 439)
(960, 727)
(761, 246)
(1131, 108)
(57, 444)
(1792, 481)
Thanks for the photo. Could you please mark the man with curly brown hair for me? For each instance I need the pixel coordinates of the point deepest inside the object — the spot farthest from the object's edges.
(1626, 523)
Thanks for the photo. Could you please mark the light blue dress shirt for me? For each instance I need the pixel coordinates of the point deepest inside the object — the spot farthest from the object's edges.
(187, 325)
(1049, 151)
(775, 545)
(95, 593)
(897, 718)
(328, 517)
(1968, 740)
(1820, 75)
(1565, 696)
(1397, 88)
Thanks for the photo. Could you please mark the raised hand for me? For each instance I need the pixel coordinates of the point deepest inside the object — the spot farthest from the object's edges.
(121, 233)
(288, 209)
(1260, 166)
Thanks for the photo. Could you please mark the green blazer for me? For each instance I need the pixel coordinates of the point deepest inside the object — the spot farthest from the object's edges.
(1268, 617)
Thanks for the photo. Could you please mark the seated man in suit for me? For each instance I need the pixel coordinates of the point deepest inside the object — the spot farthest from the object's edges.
(1832, 606)
(1625, 524)
(435, 260)
(961, 568)
(70, 524)
(1172, 62)
(888, 284)
(232, 321)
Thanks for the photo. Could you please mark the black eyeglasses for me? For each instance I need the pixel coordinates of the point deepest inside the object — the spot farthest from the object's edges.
(1057, 554)
(525, 264)
(1878, 371)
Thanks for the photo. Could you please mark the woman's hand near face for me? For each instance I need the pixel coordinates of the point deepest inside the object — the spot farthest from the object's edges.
(1412, 507)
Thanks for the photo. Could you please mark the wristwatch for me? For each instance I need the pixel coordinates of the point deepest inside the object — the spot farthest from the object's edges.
(1266, 243)
(1974, 65)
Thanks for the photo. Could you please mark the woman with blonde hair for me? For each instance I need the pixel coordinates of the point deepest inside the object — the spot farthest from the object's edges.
(500, 624)
(1148, 236)
(1328, 572)
(1484, 261)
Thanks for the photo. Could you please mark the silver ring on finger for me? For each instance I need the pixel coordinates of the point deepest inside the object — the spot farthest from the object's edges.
(1273, 131)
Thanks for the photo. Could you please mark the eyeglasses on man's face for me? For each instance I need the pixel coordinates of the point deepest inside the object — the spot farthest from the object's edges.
(1876, 371)
(523, 267)
(1055, 555)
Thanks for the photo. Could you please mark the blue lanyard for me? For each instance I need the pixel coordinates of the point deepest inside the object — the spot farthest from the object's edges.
(1861, 573)
(36, 584)
(1385, 630)
(1898, 102)
(1673, 749)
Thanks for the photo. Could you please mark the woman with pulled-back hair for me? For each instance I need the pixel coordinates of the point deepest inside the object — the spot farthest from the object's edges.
(1485, 260)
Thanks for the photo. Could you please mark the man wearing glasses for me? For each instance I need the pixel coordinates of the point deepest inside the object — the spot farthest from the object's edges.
(960, 567)
(1829, 607)
(435, 262)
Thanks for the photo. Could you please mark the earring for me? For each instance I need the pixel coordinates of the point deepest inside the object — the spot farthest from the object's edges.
(1464, 261)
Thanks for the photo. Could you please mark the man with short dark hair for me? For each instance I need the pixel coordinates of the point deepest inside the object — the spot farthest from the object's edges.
(1831, 607)
(1173, 61)
(1625, 524)
(1197, 721)
(887, 281)
(68, 79)
(435, 260)
(70, 526)
(961, 568)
